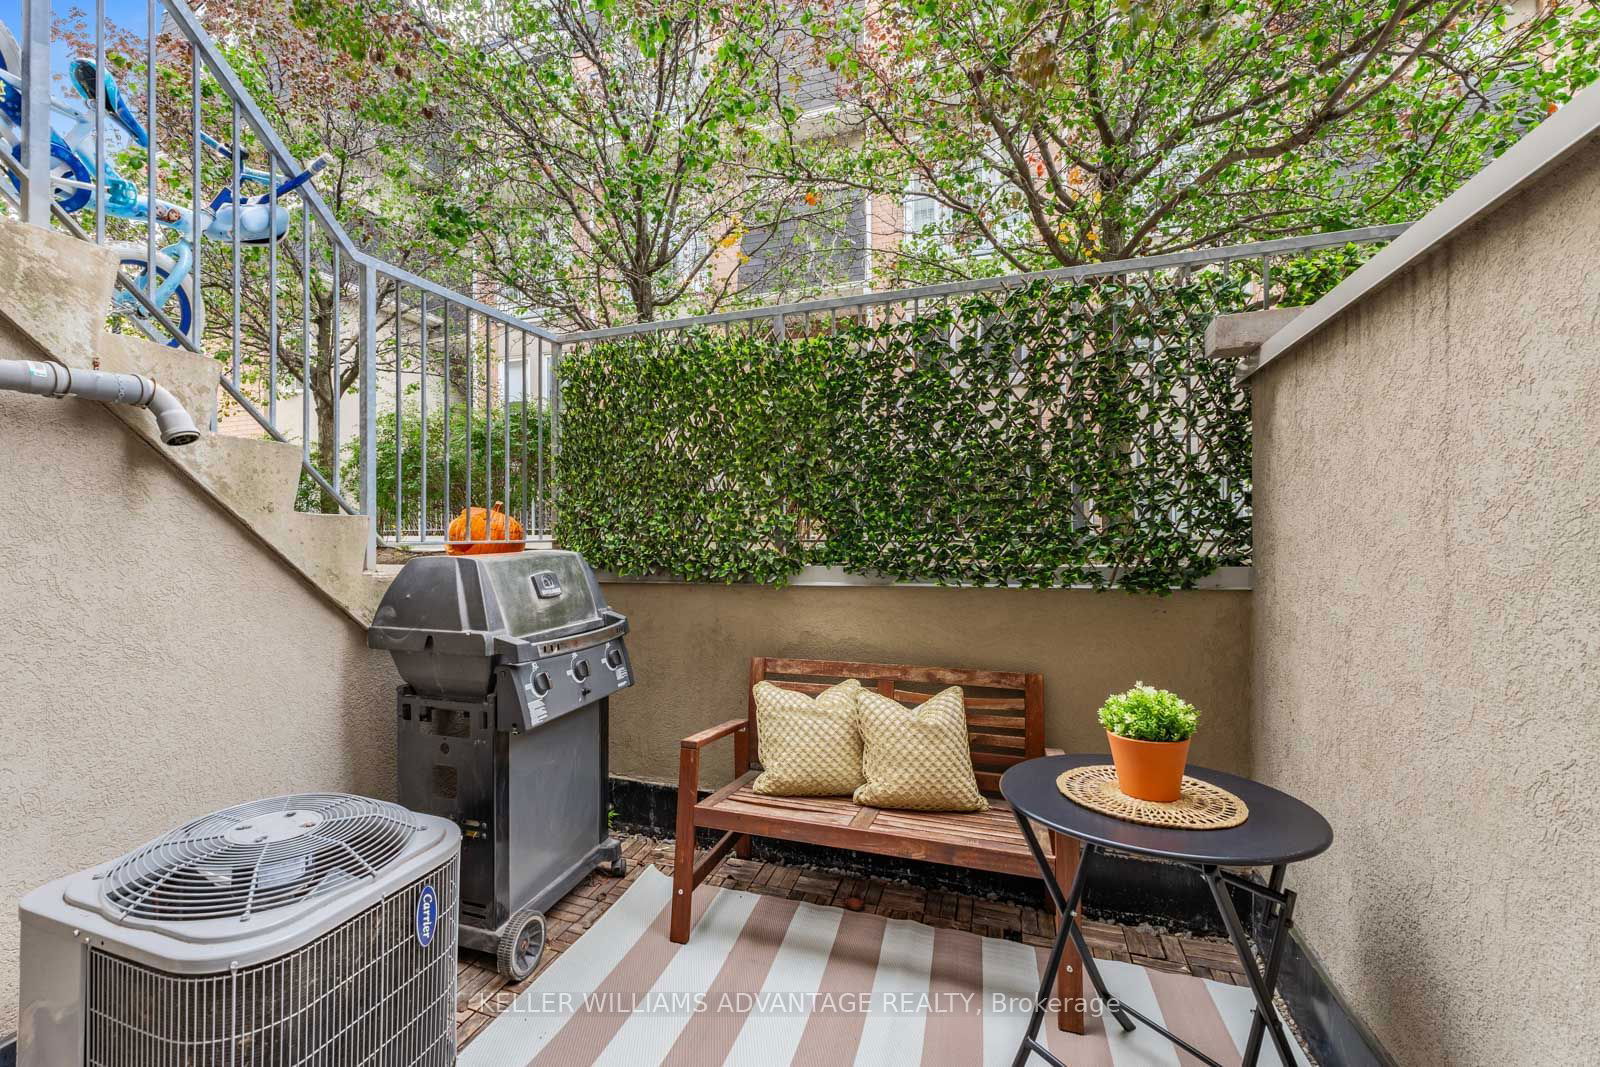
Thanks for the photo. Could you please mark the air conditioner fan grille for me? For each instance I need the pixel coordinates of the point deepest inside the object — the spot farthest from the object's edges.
(258, 856)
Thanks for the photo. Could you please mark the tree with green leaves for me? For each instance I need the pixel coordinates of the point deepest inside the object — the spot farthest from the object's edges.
(1058, 132)
(605, 144)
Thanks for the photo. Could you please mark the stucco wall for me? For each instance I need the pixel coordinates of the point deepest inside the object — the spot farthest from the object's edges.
(1426, 629)
(157, 663)
(691, 647)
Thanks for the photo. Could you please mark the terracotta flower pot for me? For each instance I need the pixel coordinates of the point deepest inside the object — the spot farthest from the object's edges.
(1149, 770)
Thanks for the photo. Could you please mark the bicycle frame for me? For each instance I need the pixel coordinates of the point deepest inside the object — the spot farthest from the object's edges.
(122, 199)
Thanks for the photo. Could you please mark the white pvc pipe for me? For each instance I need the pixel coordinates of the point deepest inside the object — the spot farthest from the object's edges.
(52, 379)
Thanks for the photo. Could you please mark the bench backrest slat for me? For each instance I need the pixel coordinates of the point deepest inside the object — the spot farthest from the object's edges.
(1005, 709)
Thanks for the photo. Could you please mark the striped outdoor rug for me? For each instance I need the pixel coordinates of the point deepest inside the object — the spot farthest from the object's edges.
(766, 981)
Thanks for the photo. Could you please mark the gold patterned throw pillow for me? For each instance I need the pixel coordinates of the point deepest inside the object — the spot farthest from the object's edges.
(917, 758)
(809, 745)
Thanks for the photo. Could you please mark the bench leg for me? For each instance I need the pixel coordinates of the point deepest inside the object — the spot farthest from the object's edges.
(741, 764)
(1069, 976)
(683, 854)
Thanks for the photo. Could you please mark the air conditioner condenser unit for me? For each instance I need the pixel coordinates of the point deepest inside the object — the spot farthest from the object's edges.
(306, 930)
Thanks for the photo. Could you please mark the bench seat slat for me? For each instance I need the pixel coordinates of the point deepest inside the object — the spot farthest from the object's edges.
(984, 840)
(957, 833)
(972, 825)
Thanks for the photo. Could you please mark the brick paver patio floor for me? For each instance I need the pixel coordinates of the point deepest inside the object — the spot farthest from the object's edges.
(482, 993)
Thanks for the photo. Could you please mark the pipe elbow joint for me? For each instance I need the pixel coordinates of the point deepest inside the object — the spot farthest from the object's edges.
(172, 421)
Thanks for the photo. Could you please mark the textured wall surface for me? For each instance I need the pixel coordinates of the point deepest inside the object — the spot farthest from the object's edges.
(1426, 629)
(691, 647)
(157, 663)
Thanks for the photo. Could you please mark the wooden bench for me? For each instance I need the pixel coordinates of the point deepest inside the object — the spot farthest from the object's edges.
(1005, 724)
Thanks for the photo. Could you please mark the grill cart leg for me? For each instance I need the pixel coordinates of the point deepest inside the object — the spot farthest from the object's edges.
(618, 866)
(615, 864)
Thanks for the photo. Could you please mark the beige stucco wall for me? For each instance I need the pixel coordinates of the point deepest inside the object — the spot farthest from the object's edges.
(156, 662)
(1426, 630)
(691, 647)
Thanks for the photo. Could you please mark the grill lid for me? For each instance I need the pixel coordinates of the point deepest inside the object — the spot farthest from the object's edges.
(463, 605)
(254, 857)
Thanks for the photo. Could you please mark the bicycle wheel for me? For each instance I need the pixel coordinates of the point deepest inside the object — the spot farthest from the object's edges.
(179, 307)
(65, 166)
(64, 162)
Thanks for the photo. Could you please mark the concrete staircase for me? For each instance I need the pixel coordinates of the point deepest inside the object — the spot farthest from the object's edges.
(54, 292)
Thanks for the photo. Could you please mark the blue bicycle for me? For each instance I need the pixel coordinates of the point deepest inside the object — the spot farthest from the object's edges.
(171, 285)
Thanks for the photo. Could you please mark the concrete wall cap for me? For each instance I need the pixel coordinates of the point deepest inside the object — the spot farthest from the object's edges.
(1241, 335)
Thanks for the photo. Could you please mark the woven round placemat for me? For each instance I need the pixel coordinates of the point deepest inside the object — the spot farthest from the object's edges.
(1200, 805)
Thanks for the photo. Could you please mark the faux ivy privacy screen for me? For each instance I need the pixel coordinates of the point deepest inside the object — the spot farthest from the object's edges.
(1048, 435)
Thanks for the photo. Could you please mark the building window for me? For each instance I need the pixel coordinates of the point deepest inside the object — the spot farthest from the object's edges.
(925, 215)
(515, 376)
(691, 260)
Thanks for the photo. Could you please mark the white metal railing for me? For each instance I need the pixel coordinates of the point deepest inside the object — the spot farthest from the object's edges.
(464, 394)
(910, 301)
(284, 260)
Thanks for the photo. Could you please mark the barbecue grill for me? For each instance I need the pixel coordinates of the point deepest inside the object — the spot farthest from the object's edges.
(509, 662)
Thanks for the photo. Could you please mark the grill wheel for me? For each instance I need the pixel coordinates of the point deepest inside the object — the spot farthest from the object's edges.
(522, 945)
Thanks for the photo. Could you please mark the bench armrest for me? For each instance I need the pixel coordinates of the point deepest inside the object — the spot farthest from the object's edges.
(689, 764)
(705, 737)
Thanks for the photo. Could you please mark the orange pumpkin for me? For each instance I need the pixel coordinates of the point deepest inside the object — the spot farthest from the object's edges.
(492, 531)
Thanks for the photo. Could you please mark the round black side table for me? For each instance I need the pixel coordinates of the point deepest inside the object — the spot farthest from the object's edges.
(1279, 831)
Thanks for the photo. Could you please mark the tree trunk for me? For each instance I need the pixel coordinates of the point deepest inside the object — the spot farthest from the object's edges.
(327, 454)
(324, 402)
(1111, 203)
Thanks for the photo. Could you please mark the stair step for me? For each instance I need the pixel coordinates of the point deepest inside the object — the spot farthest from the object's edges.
(190, 377)
(325, 548)
(56, 289)
(254, 477)
(367, 592)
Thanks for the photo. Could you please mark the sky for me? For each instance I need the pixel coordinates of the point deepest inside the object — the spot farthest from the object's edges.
(132, 15)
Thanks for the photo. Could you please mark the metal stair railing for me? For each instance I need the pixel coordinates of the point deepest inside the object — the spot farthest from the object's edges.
(392, 332)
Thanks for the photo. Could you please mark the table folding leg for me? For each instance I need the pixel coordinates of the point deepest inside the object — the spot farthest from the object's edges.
(1262, 981)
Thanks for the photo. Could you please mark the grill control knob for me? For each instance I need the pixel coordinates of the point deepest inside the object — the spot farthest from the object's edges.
(614, 658)
(580, 669)
(541, 683)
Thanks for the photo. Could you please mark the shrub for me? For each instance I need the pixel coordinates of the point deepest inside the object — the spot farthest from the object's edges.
(1049, 435)
(1145, 713)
